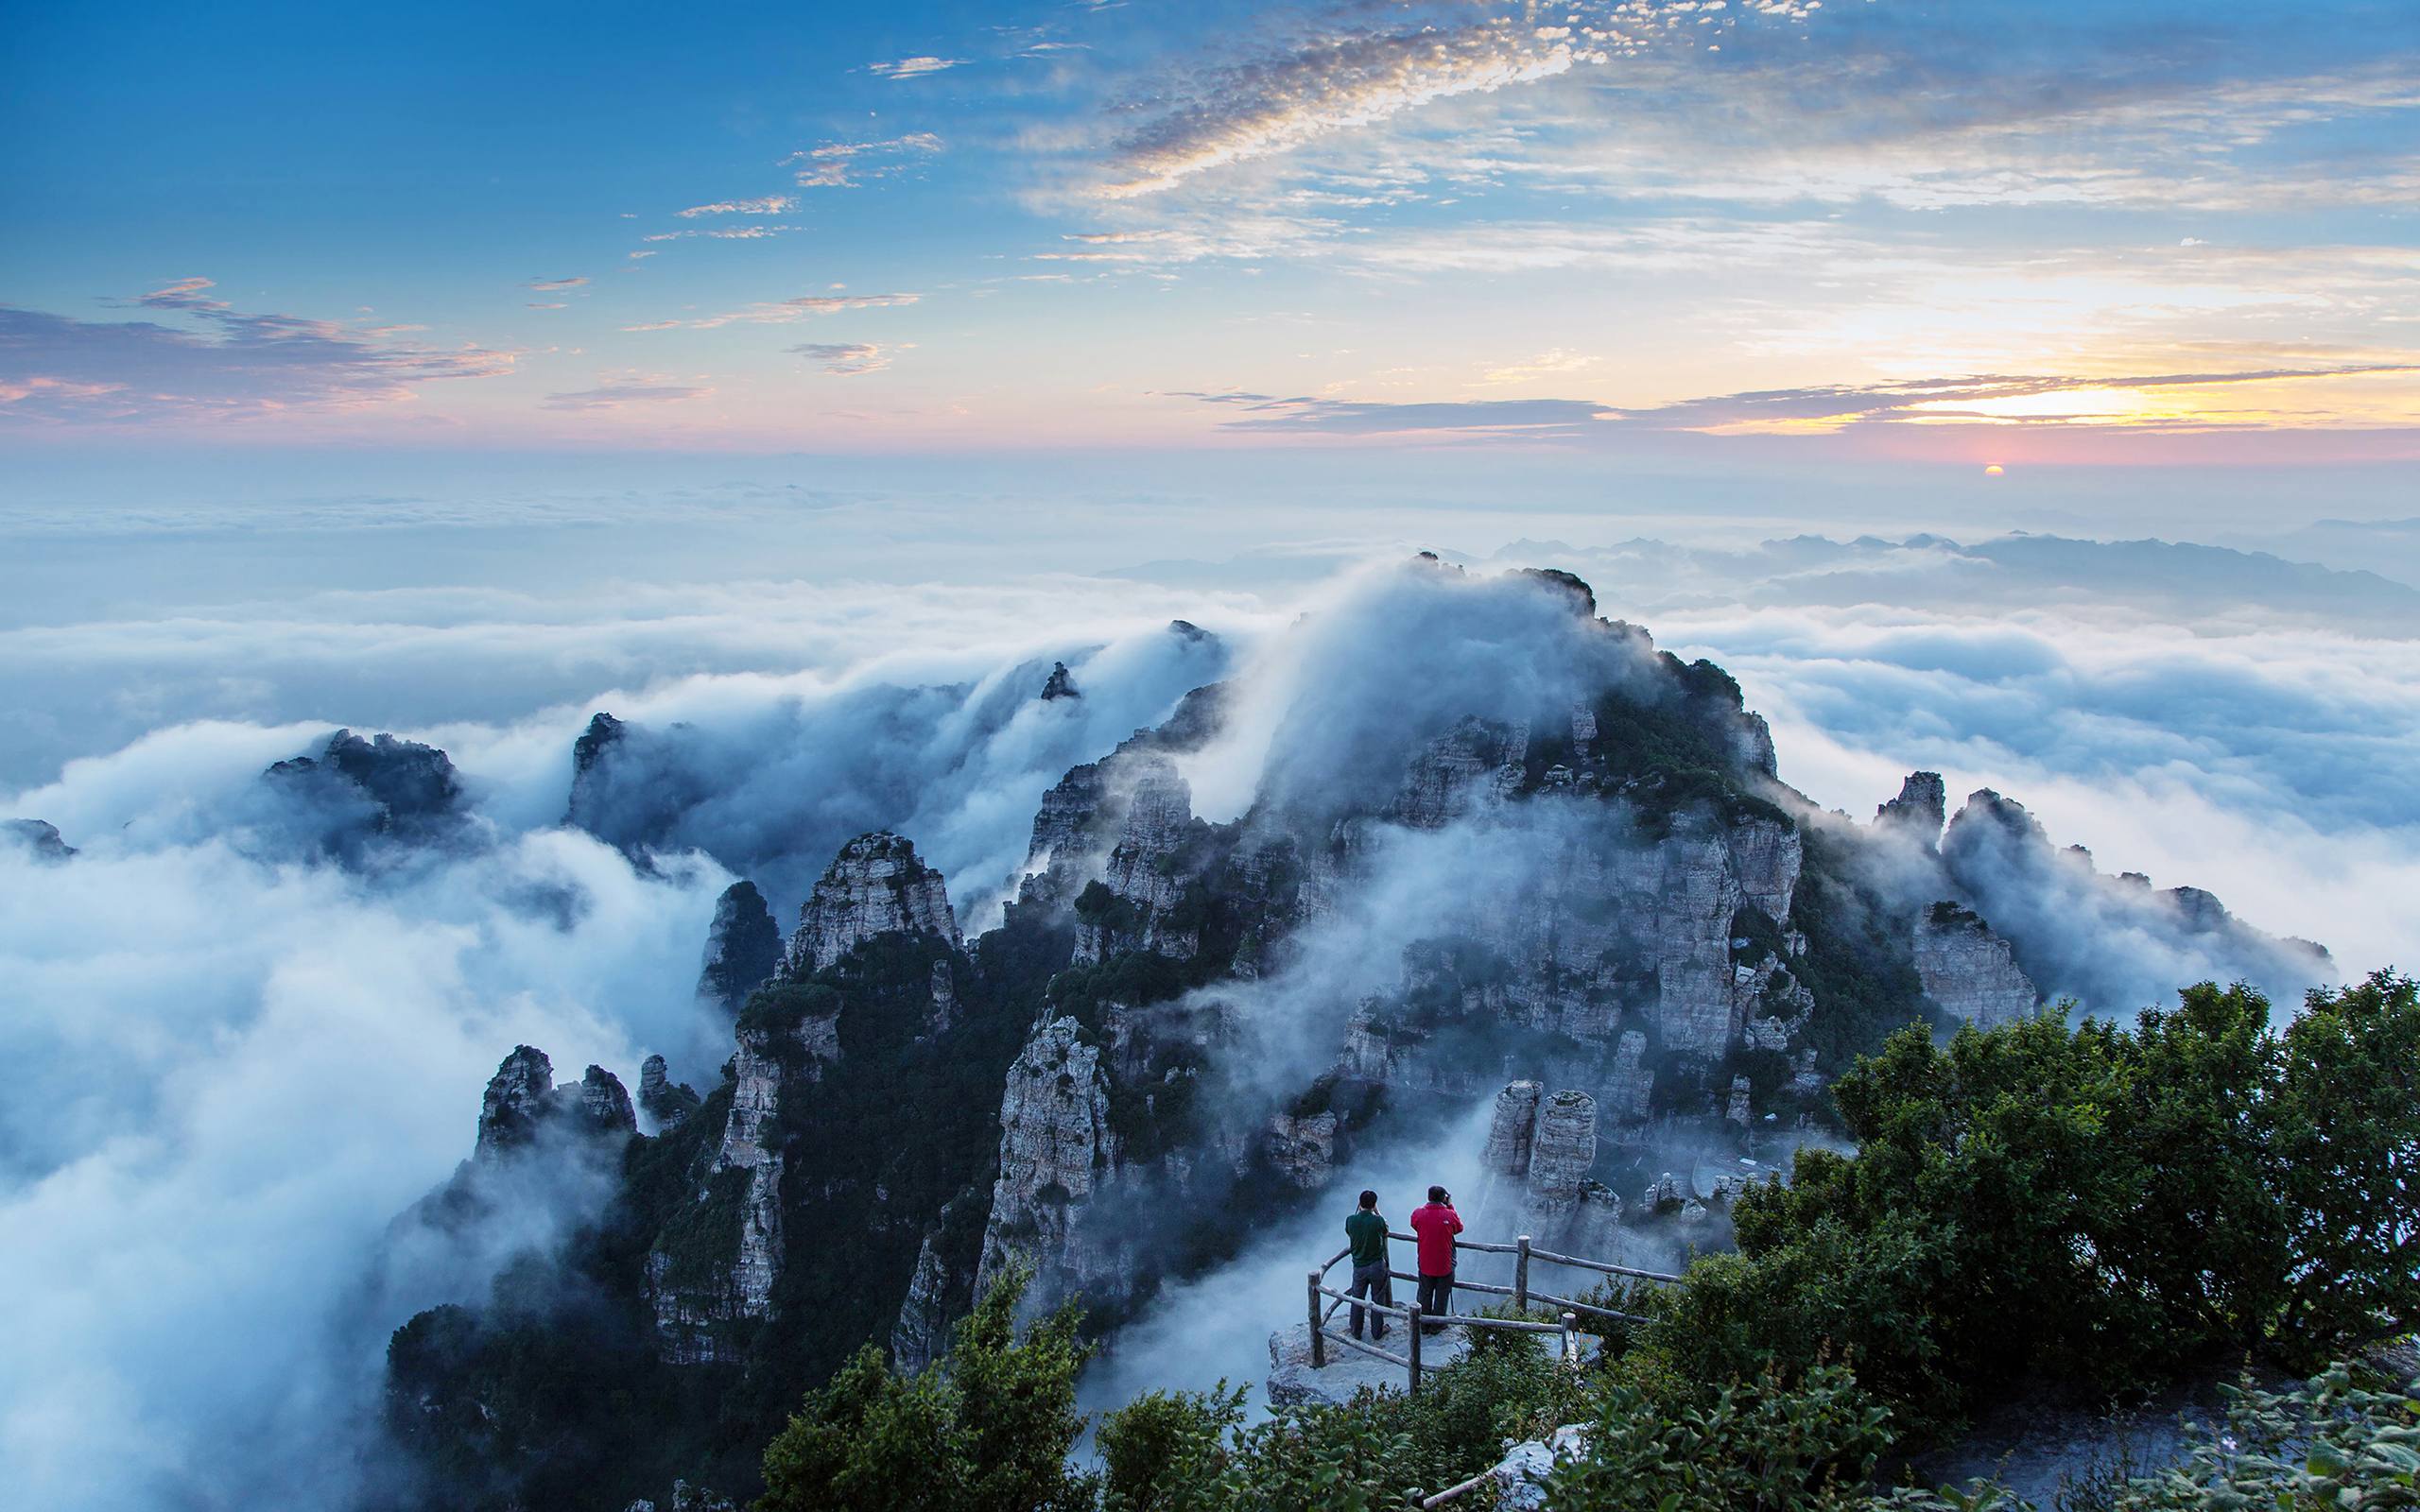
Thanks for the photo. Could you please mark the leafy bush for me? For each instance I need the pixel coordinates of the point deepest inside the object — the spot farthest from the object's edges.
(988, 1430)
(1763, 1446)
(2109, 1207)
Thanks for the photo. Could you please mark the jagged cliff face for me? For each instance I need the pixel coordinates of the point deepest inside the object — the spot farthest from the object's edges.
(1971, 972)
(1492, 838)
(744, 947)
(876, 887)
(1056, 1146)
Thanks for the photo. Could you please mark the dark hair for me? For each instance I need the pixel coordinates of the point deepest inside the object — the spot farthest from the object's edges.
(1369, 1199)
(1436, 1193)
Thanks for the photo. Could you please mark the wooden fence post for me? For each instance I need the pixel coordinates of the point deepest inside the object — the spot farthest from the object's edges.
(1413, 1331)
(1521, 1277)
(1319, 1344)
(1570, 1351)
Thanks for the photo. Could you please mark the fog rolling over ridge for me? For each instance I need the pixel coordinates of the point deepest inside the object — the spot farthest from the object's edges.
(249, 1016)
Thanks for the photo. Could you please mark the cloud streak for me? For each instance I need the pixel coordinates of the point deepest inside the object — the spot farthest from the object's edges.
(57, 369)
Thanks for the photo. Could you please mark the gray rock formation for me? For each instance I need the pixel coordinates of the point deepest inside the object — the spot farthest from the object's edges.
(1302, 1147)
(1968, 971)
(1446, 776)
(1540, 1151)
(1145, 875)
(522, 1104)
(604, 1105)
(739, 1203)
(1293, 1382)
(663, 1100)
(923, 1330)
(876, 885)
(354, 797)
(743, 947)
(1919, 811)
(2114, 943)
(1057, 1149)
(1060, 684)
(518, 1099)
(37, 836)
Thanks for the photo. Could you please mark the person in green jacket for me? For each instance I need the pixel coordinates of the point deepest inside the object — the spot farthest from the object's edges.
(1367, 1233)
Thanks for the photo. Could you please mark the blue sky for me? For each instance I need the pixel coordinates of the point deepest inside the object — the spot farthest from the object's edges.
(1974, 232)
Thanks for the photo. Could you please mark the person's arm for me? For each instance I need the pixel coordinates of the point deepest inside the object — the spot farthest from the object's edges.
(1455, 1218)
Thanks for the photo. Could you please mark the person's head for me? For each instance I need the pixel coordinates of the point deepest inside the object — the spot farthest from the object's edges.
(1439, 1194)
(1369, 1202)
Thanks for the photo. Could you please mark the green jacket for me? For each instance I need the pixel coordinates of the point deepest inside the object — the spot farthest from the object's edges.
(1368, 1232)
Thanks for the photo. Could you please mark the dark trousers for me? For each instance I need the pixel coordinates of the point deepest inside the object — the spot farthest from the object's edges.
(1436, 1299)
(1371, 1281)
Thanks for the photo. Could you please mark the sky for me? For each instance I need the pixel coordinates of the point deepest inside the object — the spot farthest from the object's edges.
(1772, 233)
(2027, 392)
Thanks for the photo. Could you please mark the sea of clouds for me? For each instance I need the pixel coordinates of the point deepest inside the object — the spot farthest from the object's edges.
(233, 1063)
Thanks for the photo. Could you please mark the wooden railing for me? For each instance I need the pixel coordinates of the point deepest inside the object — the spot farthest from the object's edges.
(1523, 1297)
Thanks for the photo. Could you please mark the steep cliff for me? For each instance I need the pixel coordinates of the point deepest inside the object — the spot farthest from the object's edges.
(1969, 971)
(743, 947)
(875, 887)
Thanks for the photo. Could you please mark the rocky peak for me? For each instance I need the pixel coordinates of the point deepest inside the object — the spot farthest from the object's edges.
(1060, 684)
(1969, 971)
(37, 836)
(876, 885)
(743, 947)
(1146, 874)
(1056, 1146)
(1448, 774)
(1540, 1151)
(521, 1101)
(603, 732)
(604, 1105)
(1584, 598)
(381, 787)
(518, 1098)
(1920, 810)
(663, 1101)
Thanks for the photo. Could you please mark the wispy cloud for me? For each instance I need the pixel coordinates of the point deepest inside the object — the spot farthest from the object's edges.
(721, 233)
(848, 358)
(913, 67)
(547, 286)
(55, 368)
(1530, 417)
(621, 395)
(785, 311)
(2175, 401)
(848, 164)
(769, 205)
(1279, 102)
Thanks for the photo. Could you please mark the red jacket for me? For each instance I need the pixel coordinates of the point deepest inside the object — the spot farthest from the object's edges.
(1436, 1225)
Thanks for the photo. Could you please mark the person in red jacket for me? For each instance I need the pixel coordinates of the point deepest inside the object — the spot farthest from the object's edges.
(1435, 1226)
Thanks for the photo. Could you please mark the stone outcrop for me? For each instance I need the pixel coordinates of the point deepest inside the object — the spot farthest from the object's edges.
(1060, 684)
(1302, 1147)
(1446, 776)
(743, 947)
(2114, 943)
(522, 1105)
(876, 885)
(1919, 811)
(1968, 971)
(518, 1099)
(1135, 905)
(923, 1330)
(1057, 1148)
(1540, 1152)
(663, 1100)
(729, 1246)
(356, 796)
(39, 838)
